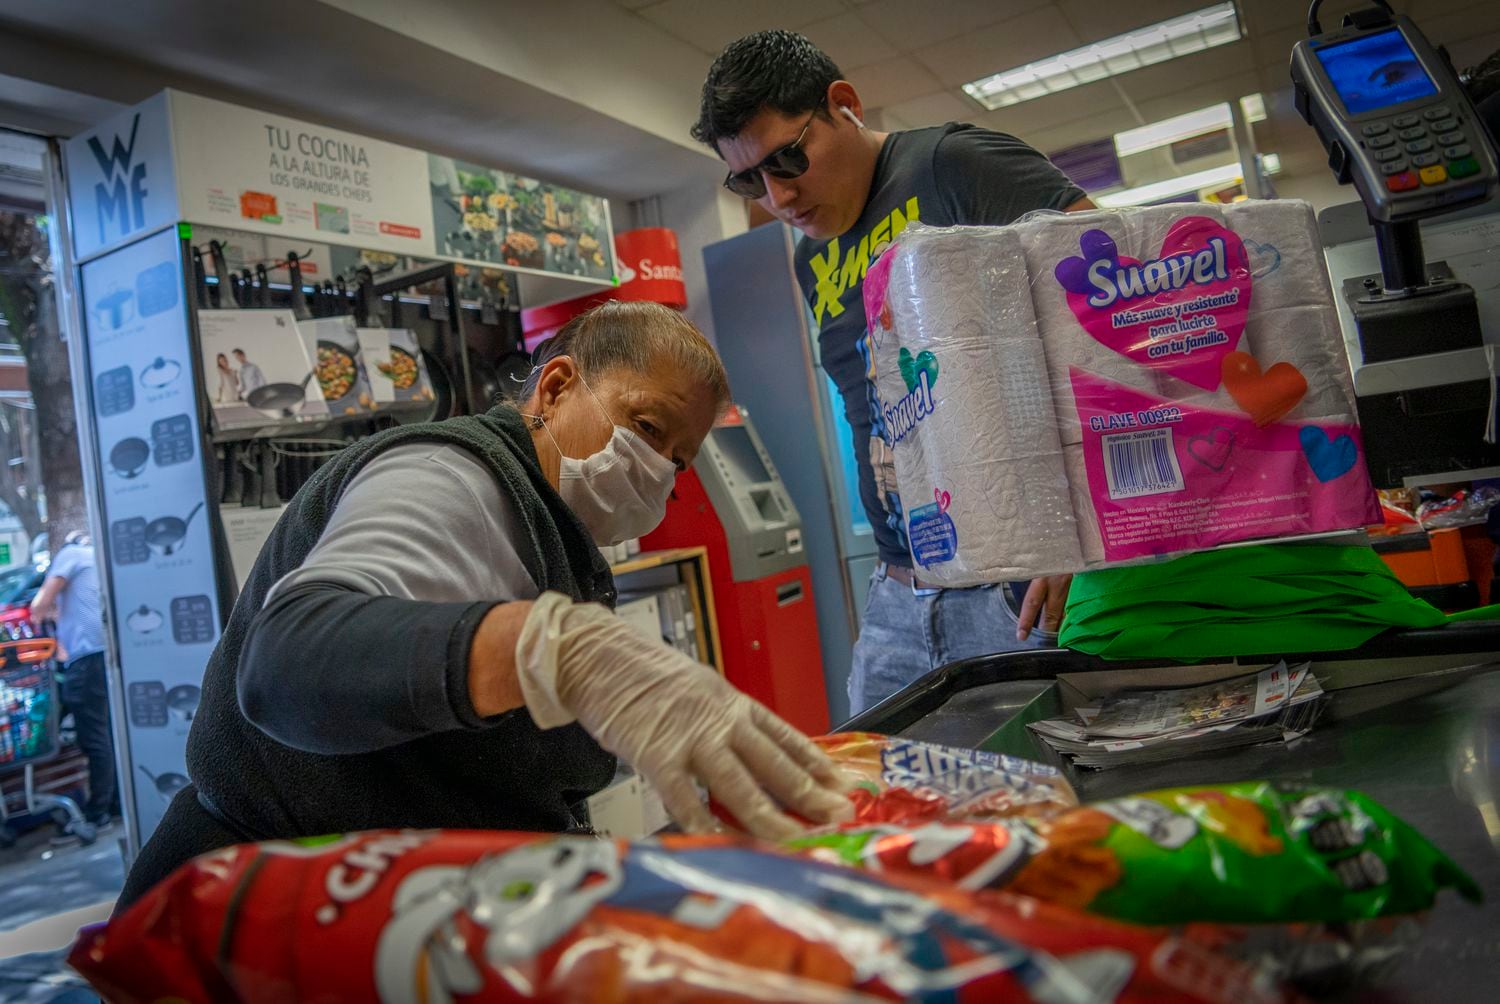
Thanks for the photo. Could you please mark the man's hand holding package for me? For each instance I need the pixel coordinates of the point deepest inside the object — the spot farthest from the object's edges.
(1043, 605)
(673, 719)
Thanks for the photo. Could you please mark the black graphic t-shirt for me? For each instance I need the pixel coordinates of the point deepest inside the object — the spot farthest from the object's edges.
(949, 175)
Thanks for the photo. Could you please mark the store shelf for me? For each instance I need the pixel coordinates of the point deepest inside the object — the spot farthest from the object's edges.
(656, 559)
(692, 570)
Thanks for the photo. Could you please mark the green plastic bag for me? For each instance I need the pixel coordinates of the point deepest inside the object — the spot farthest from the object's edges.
(1243, 601)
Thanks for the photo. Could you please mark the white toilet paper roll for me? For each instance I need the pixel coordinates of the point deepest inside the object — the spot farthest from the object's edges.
(1285, 253)
(1308, 338)
(1048, 240)
(963, 384)
(1090, 538)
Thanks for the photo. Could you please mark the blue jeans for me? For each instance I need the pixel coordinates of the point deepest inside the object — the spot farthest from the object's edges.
(905, 634)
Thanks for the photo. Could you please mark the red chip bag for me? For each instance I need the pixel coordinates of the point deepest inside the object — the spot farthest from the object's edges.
(443, 916)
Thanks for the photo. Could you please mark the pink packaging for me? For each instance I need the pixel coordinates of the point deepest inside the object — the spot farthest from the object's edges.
(1194, 362)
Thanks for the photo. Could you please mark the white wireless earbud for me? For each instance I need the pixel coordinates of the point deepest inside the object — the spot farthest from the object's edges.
(851, 116)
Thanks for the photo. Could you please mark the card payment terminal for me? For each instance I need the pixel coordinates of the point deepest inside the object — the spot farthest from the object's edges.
(1393, 117)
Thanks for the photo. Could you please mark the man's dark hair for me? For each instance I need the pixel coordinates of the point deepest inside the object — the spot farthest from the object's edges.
(780, 70)
(238, 352)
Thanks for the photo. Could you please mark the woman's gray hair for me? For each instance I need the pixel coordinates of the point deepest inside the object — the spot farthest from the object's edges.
(635, 336)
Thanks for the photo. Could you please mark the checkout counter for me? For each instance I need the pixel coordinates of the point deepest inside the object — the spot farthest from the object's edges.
(1413, 720)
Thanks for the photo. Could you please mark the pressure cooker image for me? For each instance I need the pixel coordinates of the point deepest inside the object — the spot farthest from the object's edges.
(129, 456)
(165, 534)
(279, 400)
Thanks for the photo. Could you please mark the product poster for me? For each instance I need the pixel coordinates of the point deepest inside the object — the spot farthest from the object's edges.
(156, 529)
(488, 216)
(258, 369)
(393, 362)
(252, 170)
(333, 345)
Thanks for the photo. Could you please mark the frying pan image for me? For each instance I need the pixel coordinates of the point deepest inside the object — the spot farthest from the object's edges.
(129, 456)
(279, 400)
(143, 619)
(167, 784)
(165, 533)
(183, 700)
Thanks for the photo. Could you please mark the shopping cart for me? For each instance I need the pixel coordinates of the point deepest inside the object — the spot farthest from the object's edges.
(29, 731)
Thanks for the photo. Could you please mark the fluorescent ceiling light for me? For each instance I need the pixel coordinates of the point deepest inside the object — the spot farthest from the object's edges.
(1156, 43)
(1157, 190)
(1186, 126)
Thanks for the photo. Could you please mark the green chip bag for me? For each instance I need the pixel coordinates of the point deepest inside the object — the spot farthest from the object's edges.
(1237, 853)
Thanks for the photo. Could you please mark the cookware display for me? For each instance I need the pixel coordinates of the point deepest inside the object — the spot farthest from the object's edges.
(165, 534)
(128, 457)
(144, 619)
(279, 400)
(182, 701)
(160, 373)
(167, 784)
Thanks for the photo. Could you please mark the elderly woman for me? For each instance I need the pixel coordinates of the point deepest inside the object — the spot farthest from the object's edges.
(426, 639)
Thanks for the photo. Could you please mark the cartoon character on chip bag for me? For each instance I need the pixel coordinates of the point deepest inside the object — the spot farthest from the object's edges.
(525, 899)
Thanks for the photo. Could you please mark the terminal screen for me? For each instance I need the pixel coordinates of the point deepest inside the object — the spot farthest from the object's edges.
(1375, 71)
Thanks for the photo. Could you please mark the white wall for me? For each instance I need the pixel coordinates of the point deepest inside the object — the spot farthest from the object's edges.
(701, 215)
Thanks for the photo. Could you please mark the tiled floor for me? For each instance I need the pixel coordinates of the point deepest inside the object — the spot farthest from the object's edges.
(38, 881)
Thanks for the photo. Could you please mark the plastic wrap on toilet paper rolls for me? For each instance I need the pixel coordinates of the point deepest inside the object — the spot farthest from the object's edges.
(965, 397)
(1192, 391)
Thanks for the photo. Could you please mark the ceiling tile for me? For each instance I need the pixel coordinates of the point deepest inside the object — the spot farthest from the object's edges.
(893, 81)
(935, 109)
(1094, 20)
(849, 42)
(1186, 74)
(1042, 114)
(911, 25)
(711, 26)
(1264, 15)
(1034, 35)
(1276, 44)
(1066, 134)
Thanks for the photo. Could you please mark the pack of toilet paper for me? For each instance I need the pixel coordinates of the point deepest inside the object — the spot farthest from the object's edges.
(1085, 389)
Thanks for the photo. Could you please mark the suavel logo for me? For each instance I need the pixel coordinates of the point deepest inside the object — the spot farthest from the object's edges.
(836, 276)
(121, 196)
(919, 373)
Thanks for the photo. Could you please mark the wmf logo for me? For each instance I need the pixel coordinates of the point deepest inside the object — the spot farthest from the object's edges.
(121, 196)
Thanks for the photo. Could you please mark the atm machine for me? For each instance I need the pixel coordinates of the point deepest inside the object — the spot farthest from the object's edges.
(733, 502)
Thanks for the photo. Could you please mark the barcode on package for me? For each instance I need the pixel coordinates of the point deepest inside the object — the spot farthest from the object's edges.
(1141, 463)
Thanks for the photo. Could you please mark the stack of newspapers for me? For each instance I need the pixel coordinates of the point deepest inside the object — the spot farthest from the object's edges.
(1277, 704)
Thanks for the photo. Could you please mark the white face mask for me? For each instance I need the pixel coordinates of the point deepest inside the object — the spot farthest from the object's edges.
(621, 491)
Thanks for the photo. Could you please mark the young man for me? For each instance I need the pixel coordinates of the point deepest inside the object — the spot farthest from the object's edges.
(790, 130)
(250, 376)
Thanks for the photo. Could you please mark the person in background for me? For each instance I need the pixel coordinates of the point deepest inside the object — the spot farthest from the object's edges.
(70, 597)
(777, 110)
(250, 375)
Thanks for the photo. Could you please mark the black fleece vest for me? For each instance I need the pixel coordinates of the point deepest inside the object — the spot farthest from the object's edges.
(509, 775)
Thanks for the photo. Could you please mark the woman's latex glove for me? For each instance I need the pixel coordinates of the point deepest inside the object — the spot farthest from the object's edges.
(673, 719)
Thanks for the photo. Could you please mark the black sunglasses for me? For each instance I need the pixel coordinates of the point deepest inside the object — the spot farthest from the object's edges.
(788, 162)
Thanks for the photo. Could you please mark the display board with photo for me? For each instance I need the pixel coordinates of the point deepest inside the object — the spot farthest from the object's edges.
(257, 370)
